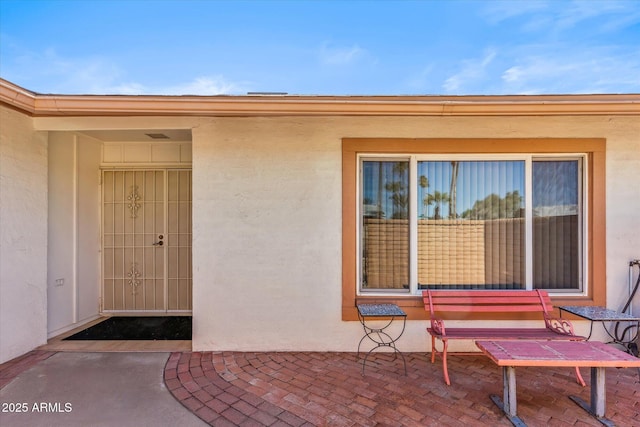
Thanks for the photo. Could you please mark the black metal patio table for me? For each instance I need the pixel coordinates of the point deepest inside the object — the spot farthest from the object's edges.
(381, 336)
(601, 314)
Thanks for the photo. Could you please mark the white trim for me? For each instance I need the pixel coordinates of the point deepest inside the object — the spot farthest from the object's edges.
(586, 214)
(60, 331)
(165, 235)
(378, 157)
(528, 223)
(583, 214)
(413, 225)
(144, 166)
(527, 159)
(75, 237)
(148, 312)
(358, 224)
(481, 157)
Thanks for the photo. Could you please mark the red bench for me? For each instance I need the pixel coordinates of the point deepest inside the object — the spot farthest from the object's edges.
(499, 301)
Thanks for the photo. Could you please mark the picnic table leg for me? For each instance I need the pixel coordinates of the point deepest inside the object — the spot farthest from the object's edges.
(509, 383)
(598, 391)
(597, 407)
(510, 405)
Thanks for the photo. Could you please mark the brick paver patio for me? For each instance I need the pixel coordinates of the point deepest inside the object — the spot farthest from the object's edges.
(328, 389)
(318, 389)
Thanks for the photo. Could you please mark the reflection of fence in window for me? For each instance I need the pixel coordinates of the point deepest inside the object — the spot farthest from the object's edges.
(385, 254)
(468, 254)
(556, 253)
(451, 252)
(471, 254)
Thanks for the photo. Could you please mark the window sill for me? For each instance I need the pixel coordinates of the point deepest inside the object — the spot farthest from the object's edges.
(414, 307)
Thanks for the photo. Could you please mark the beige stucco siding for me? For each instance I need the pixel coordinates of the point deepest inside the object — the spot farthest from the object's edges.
(23, 235)
(267, 220)
(266, 234)
(623, 207)
(74, 231)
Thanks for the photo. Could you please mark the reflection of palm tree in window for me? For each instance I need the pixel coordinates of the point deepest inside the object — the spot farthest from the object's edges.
(453, 190)
(399, 198)
(495, 207)
(398, 189)
(423, 182)
(438, 199)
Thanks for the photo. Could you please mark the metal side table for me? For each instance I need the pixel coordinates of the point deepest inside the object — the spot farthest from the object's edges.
(601, 314)
(381, 336)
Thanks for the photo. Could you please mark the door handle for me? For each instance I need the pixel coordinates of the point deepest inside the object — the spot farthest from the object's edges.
(159, 242)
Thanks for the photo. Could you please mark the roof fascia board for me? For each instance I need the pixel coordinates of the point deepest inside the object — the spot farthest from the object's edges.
(17, 97)
(239, 106)
(286, 105)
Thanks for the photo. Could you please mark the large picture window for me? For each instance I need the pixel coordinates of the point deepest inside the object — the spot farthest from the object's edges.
(472, 213)
(487, 222)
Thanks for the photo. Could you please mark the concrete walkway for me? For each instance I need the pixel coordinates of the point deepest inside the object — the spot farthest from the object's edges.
(94, 389)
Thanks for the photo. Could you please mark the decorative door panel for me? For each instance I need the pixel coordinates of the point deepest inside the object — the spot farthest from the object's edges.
(140, 235)
(179, 240)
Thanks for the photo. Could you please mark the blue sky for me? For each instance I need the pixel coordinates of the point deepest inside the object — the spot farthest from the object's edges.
(329, 47)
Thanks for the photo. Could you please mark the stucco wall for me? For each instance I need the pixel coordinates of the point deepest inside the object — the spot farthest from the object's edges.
(61, 232)
(623, 208)
(267, 216)
(23, 235)
(266, 235)
(74, 230)
(267, 220)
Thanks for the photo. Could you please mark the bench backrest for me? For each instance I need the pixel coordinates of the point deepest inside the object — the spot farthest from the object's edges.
(487, 301)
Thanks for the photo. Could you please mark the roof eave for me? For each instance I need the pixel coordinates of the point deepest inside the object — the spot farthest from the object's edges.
(39, 105)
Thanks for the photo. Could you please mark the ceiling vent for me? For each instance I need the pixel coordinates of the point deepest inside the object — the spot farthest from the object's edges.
(157, 136)
(267, 93)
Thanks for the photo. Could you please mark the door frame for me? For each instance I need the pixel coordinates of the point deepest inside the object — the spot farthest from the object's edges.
(165, 311)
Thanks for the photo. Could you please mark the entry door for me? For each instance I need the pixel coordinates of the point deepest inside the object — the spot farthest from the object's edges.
(146, 238)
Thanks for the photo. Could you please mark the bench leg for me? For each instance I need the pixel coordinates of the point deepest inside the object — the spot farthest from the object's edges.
(443, 354)
(433, 349)
(579, 378)
(445, 344)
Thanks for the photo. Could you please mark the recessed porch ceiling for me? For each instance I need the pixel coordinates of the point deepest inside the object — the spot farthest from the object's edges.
(140, 135)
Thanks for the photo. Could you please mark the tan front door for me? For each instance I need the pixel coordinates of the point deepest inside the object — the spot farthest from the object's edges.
(146, 235)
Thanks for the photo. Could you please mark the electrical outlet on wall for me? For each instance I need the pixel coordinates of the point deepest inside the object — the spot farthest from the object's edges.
(59, 282)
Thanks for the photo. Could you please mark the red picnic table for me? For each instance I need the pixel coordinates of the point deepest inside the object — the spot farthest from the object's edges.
(595, 355)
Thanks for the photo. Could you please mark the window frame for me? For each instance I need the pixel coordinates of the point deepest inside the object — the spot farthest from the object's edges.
(593, 193)
(527, 159)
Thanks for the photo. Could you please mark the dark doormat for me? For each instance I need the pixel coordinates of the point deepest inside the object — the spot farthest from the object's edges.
(138, 328)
